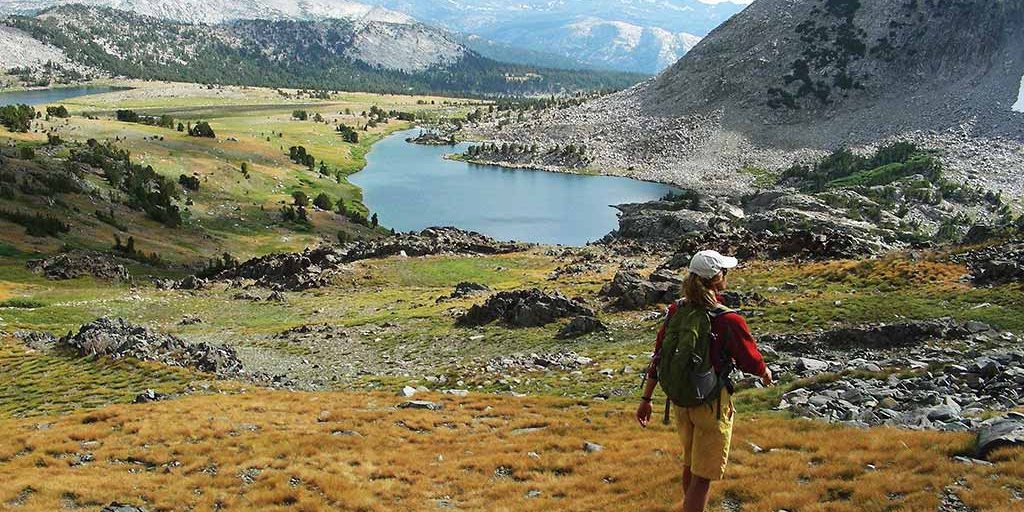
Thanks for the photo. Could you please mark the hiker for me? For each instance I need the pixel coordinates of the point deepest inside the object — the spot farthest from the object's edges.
(699, 344)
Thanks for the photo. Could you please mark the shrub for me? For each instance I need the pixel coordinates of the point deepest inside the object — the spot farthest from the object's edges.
(108, 217)
(299, 155)
(22, 303)
(323, 202)
(17, 118)
(129, 251)
(348, 134)
(127, 116)
(218, 265)
(189, 182)
(202, 129)
(59, 111)
(36, 224)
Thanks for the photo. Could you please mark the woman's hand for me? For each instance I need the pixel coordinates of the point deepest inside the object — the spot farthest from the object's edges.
(766, 377)
(643, 413)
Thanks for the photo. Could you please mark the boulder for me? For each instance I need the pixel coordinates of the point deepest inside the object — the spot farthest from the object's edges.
(580, 326)
(149, 396)
(632, 292)
(190, 320)
(465, 289)
(1000, 432)
(421, 404)
(121, 507)
(808, 365)
(738, 300)
(192, 283)
(524, 308)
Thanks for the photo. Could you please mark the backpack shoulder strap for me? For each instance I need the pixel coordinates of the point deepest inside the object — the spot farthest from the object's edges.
(719, 310)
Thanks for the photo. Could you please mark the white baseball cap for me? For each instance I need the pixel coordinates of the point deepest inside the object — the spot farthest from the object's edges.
(708, 264)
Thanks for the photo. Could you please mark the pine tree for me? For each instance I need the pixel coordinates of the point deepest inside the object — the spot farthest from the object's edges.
(323, 202)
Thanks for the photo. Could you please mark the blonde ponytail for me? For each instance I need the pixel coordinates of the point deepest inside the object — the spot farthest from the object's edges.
(700, 292)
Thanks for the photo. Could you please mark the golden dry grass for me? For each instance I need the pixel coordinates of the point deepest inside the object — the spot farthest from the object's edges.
(345, 451)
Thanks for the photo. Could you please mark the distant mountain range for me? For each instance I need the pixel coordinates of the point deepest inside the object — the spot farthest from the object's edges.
(643, 36)
(371, 50)
(630, 35)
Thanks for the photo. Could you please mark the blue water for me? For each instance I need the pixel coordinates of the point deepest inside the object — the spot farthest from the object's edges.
(412, 187)
(45, 96)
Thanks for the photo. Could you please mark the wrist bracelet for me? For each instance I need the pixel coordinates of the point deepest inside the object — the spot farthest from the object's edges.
(646, 399)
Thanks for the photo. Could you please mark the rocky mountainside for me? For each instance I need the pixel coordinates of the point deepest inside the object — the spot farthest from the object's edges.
(19, 49)
(643, 36)
(361, 54)
(787, 78)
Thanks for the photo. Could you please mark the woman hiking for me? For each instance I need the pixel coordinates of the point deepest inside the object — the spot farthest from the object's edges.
(698, 345)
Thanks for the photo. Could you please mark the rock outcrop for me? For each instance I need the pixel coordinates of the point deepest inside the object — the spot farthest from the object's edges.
(318, 267)
(996, 264)
(77, 263)
(879, 336)
(524, 308)
(117, 338)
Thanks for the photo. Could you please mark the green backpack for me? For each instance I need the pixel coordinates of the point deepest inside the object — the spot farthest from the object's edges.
(685, 370)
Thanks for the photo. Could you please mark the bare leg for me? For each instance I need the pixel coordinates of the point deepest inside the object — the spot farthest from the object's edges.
(696, 499)
(687, 476)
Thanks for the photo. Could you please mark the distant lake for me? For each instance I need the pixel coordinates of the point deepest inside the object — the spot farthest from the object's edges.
(411, 187)
(53, 95)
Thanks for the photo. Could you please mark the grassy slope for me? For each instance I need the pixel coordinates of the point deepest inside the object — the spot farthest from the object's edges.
(351, 451)
(227, 213)
(403, 292)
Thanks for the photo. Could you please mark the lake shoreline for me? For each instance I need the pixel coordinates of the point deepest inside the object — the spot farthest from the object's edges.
(414, 186)
(587, 171)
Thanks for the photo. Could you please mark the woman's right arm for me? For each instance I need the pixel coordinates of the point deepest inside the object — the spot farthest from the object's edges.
(643, 412)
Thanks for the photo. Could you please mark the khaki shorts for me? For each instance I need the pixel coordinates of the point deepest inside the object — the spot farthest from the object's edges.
(706, 435)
